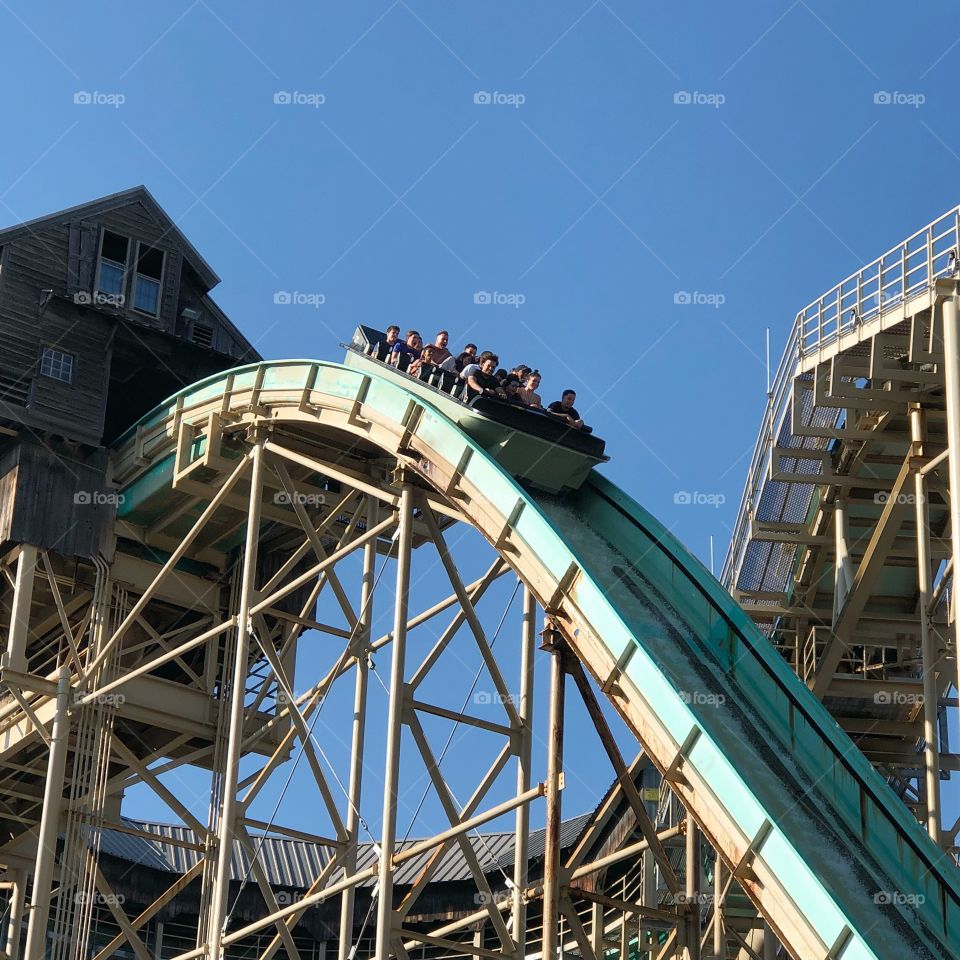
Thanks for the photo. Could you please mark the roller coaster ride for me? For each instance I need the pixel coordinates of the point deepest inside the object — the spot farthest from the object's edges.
(244, 497)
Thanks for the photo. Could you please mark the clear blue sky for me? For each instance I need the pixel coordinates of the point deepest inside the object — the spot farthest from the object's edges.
(582, 189)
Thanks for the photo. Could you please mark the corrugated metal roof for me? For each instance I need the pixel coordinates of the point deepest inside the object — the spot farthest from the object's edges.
(296, 863)
(288, 862)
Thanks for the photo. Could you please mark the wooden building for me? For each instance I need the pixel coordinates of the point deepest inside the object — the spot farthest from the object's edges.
(104, 311)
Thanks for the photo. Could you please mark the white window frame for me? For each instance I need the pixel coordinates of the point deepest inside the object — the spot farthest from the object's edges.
(126, 267)
(136, 274)
(57, 357)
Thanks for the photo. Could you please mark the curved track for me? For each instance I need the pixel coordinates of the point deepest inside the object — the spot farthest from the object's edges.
(829, 855)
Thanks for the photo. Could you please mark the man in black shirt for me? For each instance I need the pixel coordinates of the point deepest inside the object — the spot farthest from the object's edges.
(563, 409)
(483, 383)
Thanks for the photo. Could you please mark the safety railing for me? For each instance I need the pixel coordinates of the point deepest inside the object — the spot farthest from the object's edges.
(905, 272)
(902, 273)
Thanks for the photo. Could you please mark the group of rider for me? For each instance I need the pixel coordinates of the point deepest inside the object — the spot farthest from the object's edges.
(481, 373)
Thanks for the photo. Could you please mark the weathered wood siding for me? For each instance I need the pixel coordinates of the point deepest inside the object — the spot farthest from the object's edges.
(55, 502)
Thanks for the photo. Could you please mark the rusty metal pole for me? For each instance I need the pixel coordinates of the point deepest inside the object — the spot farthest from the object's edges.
(553, 643)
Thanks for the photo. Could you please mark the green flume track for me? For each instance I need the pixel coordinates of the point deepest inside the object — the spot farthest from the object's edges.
(835, 859)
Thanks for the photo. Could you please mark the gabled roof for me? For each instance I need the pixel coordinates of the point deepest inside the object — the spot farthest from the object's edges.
(92, 208)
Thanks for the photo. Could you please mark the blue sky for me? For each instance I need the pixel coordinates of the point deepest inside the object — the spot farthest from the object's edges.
(621, 155)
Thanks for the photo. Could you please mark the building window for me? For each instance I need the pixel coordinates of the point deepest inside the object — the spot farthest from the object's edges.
(56, 365)
(146, 283)
(113, 264)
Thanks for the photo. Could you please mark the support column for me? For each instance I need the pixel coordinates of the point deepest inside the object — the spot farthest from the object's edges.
(388, 829)
(719, 934)
(692, 891)
(229, 805)
(927, 647)
(49, 823)
(18, 889)
(951, 365)
(551, 857)
(528, 633)
(16, 658)
(345, 945)
(842, 572)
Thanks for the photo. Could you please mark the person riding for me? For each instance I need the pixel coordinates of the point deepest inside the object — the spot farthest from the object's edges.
(563, 409)
(528, 393)
(483, 383)
(409, 348)
(511, 389)
(437, 354)
(473, 366)
(469, 355)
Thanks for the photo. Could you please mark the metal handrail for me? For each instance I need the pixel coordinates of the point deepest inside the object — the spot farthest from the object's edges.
(902, 273)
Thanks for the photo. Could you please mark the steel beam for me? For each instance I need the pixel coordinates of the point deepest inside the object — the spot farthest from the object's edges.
(358, 736)
(950, 313)
(551, 856)
(49, 824)
(229, 807)
(388, 830)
